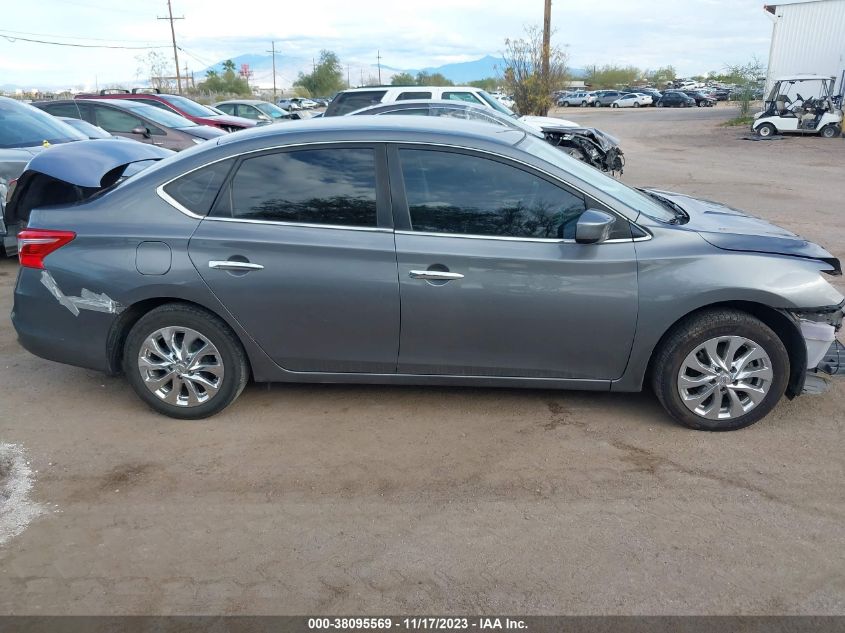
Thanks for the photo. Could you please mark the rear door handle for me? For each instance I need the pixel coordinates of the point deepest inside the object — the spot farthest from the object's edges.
(434, 275)
(234, 265)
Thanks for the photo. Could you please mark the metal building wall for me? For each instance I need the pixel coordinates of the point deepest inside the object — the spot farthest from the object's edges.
(808, 37)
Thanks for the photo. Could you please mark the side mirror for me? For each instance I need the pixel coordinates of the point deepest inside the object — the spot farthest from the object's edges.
(593, 227)
(142, 131)
(263, 117)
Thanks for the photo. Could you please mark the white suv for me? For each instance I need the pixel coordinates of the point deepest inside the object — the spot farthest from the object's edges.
(577, 99)
(357, 98)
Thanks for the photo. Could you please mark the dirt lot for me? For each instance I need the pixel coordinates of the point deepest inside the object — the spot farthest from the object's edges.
(335, 499)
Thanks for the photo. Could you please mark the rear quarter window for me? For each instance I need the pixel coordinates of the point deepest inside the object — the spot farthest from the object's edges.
(197, 190)
(347, 102)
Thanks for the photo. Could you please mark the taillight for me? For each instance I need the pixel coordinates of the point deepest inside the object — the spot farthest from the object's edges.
(35, 244)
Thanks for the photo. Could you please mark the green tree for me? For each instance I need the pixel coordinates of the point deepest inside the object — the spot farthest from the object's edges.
(611, 76)
(523, 77)
(747, 78)
(661, 76)
(229, 82)
(327, 77)
(403, 79)
(432, 79)
(490, 84)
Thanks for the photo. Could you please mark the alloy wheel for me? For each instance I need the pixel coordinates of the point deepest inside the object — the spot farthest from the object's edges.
(724, 378)
(181, 366)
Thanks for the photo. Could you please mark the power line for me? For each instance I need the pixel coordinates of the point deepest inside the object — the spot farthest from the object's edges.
(72, 37)
(14, 39)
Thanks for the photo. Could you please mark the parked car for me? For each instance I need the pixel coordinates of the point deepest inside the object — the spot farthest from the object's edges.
(537, 270)
(632, 100)
(606, 97)
(582, 99)
(721, 94)
(305, 104)
(588, 145)
(24, 132)
(177, 104)
(654, 94)
(289, 105)
(356, 98)
(261, 111)
(675, 100)
(138, 121)
(701, 100)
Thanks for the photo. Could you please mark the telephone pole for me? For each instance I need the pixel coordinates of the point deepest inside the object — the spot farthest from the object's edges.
(348, 85)
(378, 62)
(173, 36)
(273, 52)
(547, 37)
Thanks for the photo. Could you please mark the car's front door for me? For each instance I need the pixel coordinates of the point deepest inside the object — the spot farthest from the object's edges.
(492, 282)
(299, 247)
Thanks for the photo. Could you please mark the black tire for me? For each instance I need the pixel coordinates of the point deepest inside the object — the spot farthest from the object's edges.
(766, 130)
(830, 131)
(565, 104)
(215, 330)
(692, 332)
(614, 105)
(636, 104)
(597, 104)
(659, 104)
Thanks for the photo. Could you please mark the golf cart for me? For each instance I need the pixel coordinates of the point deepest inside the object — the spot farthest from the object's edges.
(801, 104)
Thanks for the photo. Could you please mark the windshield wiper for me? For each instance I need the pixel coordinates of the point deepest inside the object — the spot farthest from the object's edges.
(681, 216)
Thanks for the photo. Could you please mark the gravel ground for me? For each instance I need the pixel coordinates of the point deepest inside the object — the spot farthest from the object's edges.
(352, 499)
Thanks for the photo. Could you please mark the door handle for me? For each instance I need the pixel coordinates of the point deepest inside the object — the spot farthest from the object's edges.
(234, 265)
(434, 275)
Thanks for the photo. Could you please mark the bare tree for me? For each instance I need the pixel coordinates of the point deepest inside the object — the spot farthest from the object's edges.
(523, 73)
(156, 68)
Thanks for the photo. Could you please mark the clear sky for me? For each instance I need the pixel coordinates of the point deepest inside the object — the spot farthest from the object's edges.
(695, 36)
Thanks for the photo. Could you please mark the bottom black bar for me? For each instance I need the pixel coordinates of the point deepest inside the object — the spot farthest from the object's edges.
(402, 624)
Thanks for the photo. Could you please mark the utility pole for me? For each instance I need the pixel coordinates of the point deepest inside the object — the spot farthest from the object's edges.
(348, 85)
(547, 37)
(273, 52)
(362, 76)
(173, 36)
(378, 62)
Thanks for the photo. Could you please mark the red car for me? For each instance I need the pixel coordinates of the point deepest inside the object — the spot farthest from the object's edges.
(196, 112)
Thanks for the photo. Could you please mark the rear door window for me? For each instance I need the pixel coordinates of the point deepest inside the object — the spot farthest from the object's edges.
(113, 120)
(72, 110)
(347, 102)
(334, 186)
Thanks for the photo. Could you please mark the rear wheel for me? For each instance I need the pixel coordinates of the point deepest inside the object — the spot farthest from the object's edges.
(766, 130)
(597, 104)
(614, 105)
(830, 131)
(720, 371)
(565, 104)
(184, 362)
(636, 104)
(659, 104)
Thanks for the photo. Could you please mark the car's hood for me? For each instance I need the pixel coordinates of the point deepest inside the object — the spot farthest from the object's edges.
(733, 230)
(204, 131)
(540, 122)
(84, 163)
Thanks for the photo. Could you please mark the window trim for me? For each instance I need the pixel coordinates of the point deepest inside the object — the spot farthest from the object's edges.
(403, 224)
(384, 217)
(389, 177)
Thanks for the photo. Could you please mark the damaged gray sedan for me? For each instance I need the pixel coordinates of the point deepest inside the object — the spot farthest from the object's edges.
(410, 250)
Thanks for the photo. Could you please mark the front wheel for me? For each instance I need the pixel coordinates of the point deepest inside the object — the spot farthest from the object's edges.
(597, 104)
(565, 104)
(720, 370)
(636, 104)
(184, 362)
(614, 105)
(766, 130)
(659, 104)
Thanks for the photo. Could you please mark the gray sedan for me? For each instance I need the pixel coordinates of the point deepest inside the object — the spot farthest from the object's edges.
(412, 250)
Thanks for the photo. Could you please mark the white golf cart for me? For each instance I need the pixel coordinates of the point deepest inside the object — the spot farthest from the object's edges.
(801, 104)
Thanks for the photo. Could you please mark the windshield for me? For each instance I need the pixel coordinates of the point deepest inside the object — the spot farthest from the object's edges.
(162, 117)
(22, 125)
(495, 104)
(612, 187)
(272, 111)
(191, 107)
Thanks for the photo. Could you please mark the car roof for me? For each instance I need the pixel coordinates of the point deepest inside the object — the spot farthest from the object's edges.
(241, 101)
(397, 127)
(372, 88)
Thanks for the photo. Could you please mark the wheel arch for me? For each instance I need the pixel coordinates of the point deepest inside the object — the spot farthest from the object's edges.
(133, 313)
(778, 320)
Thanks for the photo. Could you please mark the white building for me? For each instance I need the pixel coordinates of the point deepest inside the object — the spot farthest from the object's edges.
(808, 37)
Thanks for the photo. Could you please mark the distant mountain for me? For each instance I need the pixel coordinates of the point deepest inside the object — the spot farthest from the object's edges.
(288, 69)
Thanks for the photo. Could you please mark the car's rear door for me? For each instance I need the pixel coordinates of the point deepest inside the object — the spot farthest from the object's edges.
(492, 282)
(299, 247)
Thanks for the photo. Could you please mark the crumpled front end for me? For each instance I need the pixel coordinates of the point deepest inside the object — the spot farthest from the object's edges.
(825, 354)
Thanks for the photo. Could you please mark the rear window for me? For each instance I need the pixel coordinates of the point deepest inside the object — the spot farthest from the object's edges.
(197, 190)
(23, 125)
(347, 102)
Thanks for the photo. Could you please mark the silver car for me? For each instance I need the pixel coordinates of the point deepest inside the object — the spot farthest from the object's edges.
(411, 250)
